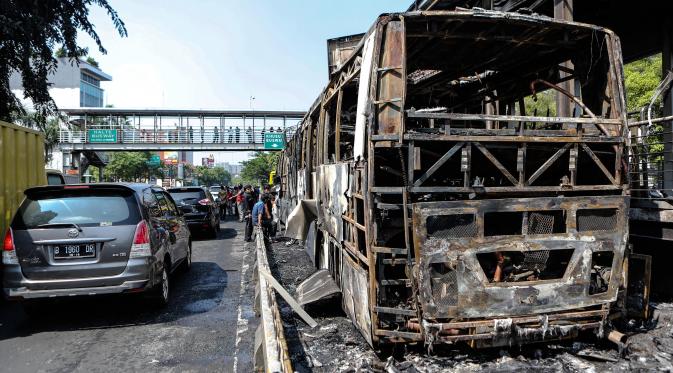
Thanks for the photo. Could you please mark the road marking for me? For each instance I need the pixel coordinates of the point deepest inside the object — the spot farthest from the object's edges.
(242, 323)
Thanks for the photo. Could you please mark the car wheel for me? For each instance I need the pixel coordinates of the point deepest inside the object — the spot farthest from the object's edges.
(162, 290)
(187, 263)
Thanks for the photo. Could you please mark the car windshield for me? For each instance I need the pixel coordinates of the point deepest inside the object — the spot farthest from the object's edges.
(187, 195)
(215, 189)
(84, 208)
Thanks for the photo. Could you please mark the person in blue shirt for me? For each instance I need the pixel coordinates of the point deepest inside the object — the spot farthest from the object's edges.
(258, 212)
(261, 216)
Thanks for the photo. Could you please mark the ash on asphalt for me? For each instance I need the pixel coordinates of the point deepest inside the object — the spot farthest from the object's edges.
(336, 346)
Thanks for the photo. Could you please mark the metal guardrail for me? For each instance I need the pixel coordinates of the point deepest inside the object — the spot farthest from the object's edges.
(271, 353)
(649, 142)
(175, 136)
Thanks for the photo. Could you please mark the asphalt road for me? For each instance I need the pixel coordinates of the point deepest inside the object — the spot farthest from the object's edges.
(208, 326)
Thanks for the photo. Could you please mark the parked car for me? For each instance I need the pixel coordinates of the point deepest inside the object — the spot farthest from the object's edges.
(88, 239)
(201, 211)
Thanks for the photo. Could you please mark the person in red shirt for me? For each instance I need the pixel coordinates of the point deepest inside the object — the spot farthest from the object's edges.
(228, 202)
(239, 204)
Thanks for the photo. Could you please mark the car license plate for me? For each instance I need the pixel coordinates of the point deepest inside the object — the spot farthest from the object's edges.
(74, 251)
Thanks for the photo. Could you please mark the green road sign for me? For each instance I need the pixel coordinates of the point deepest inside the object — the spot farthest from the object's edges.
(154, 160)
(102, 136)
(274, 141)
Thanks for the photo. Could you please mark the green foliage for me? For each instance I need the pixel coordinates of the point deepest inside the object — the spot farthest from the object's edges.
(130, 166)
(49, 128)
(212, 176)
(546, 102)
(641, 79)
(51, 131)
(256, 170)
(30, 31)
(91, 61)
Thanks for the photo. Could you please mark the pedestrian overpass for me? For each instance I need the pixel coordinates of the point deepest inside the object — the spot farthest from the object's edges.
(112, 129)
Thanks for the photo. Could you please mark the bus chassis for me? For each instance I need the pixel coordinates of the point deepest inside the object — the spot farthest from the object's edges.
(445, 210)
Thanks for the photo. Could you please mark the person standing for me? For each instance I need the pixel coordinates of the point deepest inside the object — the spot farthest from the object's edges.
(248, 133)
(249, 203)
(275, 218)
(240, 197)
(258, 214)
(191, 134)
(261, 216)
(238, 134)
(216, 135)
(232, 201)
(267, 220)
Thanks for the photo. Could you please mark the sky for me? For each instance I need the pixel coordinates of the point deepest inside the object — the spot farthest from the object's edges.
(210, 54)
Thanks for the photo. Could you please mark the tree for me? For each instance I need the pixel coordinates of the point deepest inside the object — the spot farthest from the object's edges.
(30, 31)
(130, 166)
(256, 170)
(641, 78)
(212, 176)
(50, 129)
(544, 104)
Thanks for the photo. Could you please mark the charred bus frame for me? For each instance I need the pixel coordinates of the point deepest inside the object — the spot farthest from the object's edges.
(446, 210)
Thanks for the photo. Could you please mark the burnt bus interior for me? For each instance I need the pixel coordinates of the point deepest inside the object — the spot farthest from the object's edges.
(494, 149)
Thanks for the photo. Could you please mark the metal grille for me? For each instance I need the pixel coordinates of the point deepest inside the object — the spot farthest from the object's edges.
(536, 259)
(596, 220)
(444, 289)
(451, 226)
(540, 223)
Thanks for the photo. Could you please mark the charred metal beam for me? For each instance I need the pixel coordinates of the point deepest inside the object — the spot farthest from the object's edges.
(440, 162)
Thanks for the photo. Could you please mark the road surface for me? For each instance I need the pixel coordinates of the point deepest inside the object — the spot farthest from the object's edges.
(208, 326)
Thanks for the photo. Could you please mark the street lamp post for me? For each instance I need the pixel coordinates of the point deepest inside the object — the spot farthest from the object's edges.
(252, 98)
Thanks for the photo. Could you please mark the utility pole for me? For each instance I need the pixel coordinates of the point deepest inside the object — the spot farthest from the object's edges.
(252, 98)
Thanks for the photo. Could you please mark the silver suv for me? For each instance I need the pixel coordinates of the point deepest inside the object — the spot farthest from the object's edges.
(89, 239)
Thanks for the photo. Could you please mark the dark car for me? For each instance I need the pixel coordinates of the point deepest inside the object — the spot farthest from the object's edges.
(89, 239)
(201, 211)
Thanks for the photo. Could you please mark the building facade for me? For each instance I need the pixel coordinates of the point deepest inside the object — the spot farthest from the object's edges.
(72, 86)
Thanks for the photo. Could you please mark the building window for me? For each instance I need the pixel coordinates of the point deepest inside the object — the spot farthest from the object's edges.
(89, 79)
(89, 95)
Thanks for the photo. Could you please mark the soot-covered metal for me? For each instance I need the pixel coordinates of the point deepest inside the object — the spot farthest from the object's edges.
(469, 173)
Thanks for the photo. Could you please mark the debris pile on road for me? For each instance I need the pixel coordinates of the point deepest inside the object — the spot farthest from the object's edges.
(335, 345)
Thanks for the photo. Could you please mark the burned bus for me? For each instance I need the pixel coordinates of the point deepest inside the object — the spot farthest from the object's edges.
(462, 177)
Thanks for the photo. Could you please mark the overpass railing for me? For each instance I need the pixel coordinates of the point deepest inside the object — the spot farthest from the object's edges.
(173, 136)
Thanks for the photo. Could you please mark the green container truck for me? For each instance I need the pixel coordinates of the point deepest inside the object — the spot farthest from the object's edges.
(21, 167)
